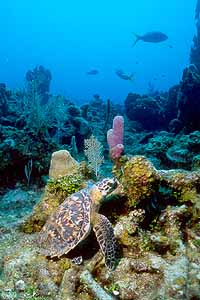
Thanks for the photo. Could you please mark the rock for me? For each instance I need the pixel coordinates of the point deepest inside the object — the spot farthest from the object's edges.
(175, 279)
(178, 156)
(15, 205)
(20, 285)
(67, 289)
(196, 163)
(62, 164)
(97, 290)
(146, 110)
(132, 274)
(170, 104)
(18, 199)
(26, 272)
(184, 184)
(127, 287)
(128, 225)
(188, 100)
(175, 126)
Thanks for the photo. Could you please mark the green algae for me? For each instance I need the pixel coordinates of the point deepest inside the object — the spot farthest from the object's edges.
(65, 185)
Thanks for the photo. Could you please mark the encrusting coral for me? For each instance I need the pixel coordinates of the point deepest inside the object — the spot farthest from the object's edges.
(139, 179)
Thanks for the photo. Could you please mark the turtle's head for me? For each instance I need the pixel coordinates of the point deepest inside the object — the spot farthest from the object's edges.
(106, 186)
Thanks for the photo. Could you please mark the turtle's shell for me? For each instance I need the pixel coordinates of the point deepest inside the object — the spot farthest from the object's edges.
(68, 225)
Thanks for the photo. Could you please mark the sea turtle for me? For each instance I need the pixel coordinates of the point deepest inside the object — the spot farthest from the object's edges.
(72, 222)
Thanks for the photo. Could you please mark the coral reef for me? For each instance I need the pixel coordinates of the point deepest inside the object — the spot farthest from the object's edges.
(166, 150)
(155, 210)
(178, 156)
(4, 95)
(31, 129)
(195, 49)
(170, 105)
(145, 110)
(39, 79)
(188, 103)
(158, 257)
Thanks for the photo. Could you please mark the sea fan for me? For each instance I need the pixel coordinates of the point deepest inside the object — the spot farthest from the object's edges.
(94, 153)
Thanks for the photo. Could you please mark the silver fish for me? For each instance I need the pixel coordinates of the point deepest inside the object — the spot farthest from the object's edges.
(93, 72)
(123, 75)
(151, 37)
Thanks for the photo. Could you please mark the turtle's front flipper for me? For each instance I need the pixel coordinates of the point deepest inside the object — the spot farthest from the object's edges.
(105, 236)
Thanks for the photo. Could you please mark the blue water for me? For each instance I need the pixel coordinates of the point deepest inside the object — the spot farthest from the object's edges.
(73, 37)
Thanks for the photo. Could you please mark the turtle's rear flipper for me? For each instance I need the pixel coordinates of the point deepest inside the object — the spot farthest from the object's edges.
(105, 236)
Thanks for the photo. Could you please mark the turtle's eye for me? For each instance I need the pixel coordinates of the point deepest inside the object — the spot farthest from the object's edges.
(110, 185)
(107, 185)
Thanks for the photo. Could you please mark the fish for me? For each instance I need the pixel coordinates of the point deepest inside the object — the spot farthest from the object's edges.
(93, 72)
(123, 75)
(151, 37)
